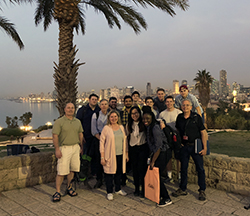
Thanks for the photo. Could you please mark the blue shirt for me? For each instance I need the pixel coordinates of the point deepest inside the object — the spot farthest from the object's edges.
(98, 124)
(192, 98)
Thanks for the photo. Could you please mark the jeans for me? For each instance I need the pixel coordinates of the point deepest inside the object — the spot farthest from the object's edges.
(116, 177)
(138, 158)
(185, 153)
(161, 163)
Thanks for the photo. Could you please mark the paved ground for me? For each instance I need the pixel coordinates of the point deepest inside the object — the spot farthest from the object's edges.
(37, 201)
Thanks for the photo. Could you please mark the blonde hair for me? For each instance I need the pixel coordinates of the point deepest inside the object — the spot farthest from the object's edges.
(109, 114)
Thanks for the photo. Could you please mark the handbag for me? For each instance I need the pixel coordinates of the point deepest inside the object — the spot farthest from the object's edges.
(152, 184)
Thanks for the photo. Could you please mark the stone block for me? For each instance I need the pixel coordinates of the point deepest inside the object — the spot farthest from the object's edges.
(243, 179)
(215, 174)
(208, 161)
(223, 186)
(8, 174)
(25, 159)
(11, 162)
(36, 169)
(240, 189)
(220, 162)
(22, 183)
(229, 176)
(191, 169)
(236, 165)
(24, 172)
(10, 185)
(47, 168)
(211, 183)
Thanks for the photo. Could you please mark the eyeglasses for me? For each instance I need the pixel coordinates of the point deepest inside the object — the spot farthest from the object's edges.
(134, 113)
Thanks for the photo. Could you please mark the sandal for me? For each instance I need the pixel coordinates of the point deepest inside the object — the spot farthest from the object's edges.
(70, 191)
(56, 197)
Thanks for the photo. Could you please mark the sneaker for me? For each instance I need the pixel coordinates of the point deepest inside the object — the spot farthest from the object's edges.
(167, 179)
(179, 192)
(121, 192)
(164, 202)
(110, 196)
(202, 195)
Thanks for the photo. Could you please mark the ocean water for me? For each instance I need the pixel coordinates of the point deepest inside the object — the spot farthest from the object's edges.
(42, 112)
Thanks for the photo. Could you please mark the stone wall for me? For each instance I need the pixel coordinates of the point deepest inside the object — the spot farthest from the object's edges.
(231, 174)
(27, 170)
(222, 172)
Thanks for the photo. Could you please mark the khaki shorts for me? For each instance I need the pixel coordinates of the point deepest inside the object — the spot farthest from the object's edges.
(70, 160)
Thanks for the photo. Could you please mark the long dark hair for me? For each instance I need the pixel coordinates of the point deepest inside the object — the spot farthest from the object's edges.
(147, 110)
(130, 120)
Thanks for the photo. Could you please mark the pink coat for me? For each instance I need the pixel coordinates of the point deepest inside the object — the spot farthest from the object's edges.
(107, 145)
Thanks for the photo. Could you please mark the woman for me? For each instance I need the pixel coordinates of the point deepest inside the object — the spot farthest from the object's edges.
(138, 148)
(114, 153)
(98, 121)
(157, 143)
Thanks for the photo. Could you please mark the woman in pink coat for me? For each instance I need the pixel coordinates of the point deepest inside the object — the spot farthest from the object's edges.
(114, 153)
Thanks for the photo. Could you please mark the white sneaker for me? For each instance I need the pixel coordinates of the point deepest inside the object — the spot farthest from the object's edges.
(121, 192)
(110, 196)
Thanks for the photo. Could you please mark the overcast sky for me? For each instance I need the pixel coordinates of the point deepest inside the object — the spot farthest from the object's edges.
(211, 35)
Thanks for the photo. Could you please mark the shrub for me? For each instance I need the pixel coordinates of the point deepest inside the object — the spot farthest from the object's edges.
(12, 131)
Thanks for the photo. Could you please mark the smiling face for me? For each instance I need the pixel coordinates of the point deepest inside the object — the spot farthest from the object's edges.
(149, 102)
(136, 98)
(93, 101)
(113, 104)
(104, 106)
(69, 110)
(184, 92)
(170, 103)
(128, 103)
(135, 115)
(186, 106)
(147, 119)
(161, 95)
(113, 118)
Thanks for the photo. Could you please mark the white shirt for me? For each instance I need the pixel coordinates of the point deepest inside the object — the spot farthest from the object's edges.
(136, 137)
(170, 116)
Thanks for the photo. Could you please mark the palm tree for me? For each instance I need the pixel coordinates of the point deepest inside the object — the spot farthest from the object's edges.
(203, 83)
(70, 16)
(9, 27)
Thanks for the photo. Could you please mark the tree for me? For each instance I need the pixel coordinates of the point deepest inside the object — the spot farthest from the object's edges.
(26, 118)
(9, 28)
(11, 122)
(70, 16)
(203, 82)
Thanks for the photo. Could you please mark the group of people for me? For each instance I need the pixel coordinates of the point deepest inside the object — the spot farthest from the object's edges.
(133, 135)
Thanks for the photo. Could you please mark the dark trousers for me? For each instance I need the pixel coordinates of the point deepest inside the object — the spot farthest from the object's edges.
(96, 160)
(138, 158)
(114, 177)
(185, 153)
(161, 163)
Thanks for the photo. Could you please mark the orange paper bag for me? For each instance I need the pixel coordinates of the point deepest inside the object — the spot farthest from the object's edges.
(152, 184)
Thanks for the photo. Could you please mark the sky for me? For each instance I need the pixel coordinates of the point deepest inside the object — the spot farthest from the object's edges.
(211, 35)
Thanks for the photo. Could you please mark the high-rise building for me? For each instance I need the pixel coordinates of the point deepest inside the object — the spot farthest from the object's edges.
(175, 86)
(215, 87)
(184, 82)
(148, 89)
(101, 94)
(223, 83)
(129, 90)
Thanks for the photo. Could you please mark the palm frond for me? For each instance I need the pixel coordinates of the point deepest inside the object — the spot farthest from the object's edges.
(44, 11)
(10, 30)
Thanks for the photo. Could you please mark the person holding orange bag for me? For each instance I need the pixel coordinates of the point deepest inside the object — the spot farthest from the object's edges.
(157, 143)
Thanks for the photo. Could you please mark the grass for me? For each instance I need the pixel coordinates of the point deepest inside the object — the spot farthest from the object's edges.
(233, 144)
(4, 138)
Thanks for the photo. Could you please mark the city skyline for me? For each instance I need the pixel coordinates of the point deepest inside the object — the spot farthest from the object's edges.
(209, 35)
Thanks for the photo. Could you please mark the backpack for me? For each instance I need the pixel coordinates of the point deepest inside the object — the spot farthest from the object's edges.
(174, 139)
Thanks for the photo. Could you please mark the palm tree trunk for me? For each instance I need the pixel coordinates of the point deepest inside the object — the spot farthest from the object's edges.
(205, 115)
(66, 72)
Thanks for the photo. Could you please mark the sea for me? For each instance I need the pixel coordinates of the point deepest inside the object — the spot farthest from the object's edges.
(42, 112)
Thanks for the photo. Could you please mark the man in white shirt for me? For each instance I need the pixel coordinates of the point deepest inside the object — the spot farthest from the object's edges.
(169, 115)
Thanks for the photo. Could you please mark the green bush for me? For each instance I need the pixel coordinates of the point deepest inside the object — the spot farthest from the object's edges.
(43, 127)
(12, 131)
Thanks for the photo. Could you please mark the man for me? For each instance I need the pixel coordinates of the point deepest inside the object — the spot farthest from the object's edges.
(190, 126)
(169, 115)
(128, 101)
(113, 104)
(84, 114)
(149, 101)
(68, 141)
(159, 101)
(184, 94)
(136, 98)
